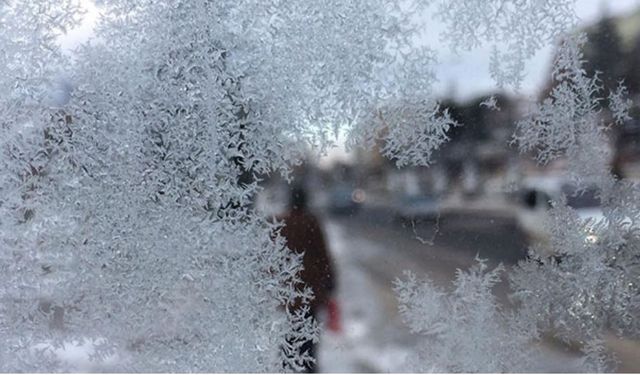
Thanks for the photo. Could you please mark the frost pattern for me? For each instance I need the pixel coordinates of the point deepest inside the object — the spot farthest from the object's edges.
(464, 330)
(407, 121)
(515, 29)
(126, 210)
(619, 103)
(591, 283)
(410, 132)
(490, 103)
(582, 284)
(125, 217)
(568, 122)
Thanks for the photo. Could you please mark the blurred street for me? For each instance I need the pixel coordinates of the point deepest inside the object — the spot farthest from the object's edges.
(372, 249)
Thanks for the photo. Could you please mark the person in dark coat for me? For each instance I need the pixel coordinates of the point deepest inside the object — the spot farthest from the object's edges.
(303, 234)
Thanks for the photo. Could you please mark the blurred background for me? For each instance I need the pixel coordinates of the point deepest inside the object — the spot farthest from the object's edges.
(480, 197)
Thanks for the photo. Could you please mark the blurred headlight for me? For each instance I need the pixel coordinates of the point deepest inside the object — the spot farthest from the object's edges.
(358, 196)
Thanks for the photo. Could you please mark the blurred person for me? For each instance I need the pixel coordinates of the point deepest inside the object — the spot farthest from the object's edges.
(303, 234)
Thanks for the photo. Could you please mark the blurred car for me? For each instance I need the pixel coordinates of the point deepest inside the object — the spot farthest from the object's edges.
(345, 200)
(536, 196)
(418, 207)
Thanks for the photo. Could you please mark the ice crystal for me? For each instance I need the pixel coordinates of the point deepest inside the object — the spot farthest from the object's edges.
(591, 282)
(126, 208)
(490, 103)
(568, 123)
(620, 104)
(410, 124)
(464, 330)
(411, 132)
(126, 218)
(515, 29)
(586, 280)
(581, 284)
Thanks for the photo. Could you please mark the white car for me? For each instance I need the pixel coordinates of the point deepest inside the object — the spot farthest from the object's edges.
(536, 196)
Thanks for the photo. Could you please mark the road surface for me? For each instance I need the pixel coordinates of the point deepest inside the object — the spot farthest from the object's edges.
(373, 250)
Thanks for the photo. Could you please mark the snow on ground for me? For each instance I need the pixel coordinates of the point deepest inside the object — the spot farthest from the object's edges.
(359, 347)
(373, 338)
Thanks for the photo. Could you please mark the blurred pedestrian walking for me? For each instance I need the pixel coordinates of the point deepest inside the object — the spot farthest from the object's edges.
(303, 234)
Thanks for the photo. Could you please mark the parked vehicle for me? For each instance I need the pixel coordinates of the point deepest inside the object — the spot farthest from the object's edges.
(535, 199)
(345, 200)
(418, 207)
